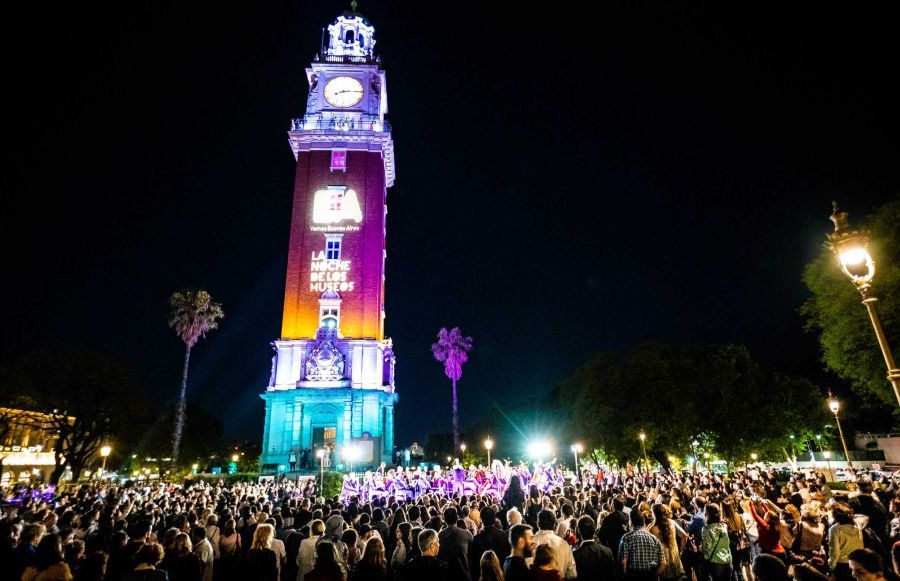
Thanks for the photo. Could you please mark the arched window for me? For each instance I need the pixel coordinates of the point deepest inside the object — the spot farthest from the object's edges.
(362, 40)
(349, 37)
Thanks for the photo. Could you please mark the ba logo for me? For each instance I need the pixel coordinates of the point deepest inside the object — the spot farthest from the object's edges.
(335, 205)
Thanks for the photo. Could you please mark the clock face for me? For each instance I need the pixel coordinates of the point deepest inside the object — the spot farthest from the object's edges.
(343, 91)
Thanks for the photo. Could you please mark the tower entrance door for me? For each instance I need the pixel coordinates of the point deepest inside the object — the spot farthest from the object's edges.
(323, 436)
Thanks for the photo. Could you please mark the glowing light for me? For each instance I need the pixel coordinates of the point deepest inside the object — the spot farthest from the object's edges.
(462, 447)
(827, 454)
(834, 405)
(320, 454)
(706, 455)
(195, 466)
(351, 452)
(540, 449)
(105, 450)
(489, 444)
(854, 256)
(642, 436)
(754, 456)
(335, 205)
(235, 457)
(577, 448)
(672, 459)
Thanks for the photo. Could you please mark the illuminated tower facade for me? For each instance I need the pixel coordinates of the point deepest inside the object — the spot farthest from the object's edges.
(332, 382)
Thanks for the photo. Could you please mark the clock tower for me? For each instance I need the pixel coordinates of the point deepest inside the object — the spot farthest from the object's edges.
(332, 382)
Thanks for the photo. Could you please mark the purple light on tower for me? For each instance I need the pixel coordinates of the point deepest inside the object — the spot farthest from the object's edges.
(452, 350)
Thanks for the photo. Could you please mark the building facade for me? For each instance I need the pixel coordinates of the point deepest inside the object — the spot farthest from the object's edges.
(332, 382)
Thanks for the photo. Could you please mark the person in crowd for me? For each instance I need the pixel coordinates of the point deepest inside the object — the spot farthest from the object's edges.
(204, 550)
(521, 541)
(328, 564)
(48, 563)
(489, 538)
(306, 557)
(489, 566)
(593, 561)
(261, 561)
(614, 526)
(844, 537)
(373, 565)
(180, 561)
(427, 566)
(866, 565)
(454, 546)
(146, 560)
(563, 560)
(716, 545)
(640, 553)
(402, 548)
(545, 567)
(767, 567)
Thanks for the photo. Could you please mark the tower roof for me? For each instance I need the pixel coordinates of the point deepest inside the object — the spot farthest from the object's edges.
(351, 38)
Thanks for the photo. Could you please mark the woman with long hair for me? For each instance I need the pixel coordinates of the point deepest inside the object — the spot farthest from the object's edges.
(48, 562)
(262, 562)
(514, 497)
(401, 549)
(671, 537)
(545, 567)
(490, 567)
(738, 541)
(328, 565)
(180, 561)
(373, 565)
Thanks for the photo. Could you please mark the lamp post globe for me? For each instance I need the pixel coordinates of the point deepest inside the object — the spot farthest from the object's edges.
(104, 453)
(489, 445)
(851, 247)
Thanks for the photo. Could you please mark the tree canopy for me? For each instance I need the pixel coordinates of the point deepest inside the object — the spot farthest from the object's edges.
(676, 394)
(849, 346)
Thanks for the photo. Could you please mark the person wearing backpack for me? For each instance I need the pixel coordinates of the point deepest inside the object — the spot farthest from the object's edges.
(716, 545)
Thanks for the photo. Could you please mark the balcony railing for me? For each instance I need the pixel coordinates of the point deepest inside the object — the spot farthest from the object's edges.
(341, 125)
(368, 59)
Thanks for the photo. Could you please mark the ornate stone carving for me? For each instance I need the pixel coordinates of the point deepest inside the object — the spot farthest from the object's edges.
(325, 361)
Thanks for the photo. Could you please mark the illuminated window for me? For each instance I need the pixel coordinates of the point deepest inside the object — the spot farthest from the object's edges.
(330, 317)
(338, 159)
(333, 247)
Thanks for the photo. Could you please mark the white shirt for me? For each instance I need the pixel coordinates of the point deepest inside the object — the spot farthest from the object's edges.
(204, 550)
(564, 558)
(306, 557)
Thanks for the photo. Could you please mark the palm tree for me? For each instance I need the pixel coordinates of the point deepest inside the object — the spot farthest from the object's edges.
(451, 349)
(192, 313)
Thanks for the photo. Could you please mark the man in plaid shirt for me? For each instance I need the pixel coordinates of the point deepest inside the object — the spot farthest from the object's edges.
(640, 552)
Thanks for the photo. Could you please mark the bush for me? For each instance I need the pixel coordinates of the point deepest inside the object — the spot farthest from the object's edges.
(334, 482)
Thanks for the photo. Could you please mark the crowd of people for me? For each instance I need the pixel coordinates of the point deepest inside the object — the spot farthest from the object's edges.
(606, 525)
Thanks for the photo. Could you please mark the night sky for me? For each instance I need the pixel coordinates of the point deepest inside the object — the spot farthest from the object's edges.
(573, 179)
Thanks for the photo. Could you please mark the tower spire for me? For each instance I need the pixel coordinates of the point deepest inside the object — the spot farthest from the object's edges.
(353, 5)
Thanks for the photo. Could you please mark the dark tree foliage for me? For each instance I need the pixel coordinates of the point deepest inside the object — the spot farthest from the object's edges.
(849, 346)
(676, 394)
(90, 401)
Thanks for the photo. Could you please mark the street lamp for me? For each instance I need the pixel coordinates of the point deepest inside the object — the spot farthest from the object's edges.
(576, 448)
(706, 457)
(754, 456)
(834, 405)
(643, 437)
(462, 448)
(851, 249)
(104, 453)
(489, 445)
(351, 453)
(694, 460)
(320, 454)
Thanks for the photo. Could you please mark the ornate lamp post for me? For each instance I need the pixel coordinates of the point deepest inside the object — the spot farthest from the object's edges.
(851, 248)
(834, 405)
(643, 437)
(489, 445)
(694, 445)
(576, 448)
